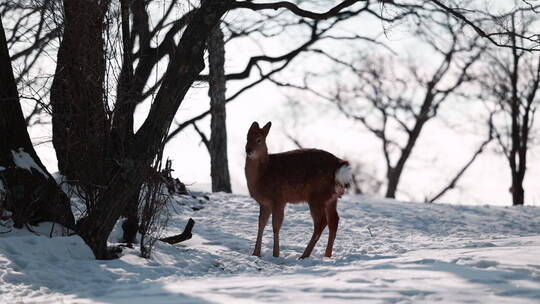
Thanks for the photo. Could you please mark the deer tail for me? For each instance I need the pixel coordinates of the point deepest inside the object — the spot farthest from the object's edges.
(343, 177)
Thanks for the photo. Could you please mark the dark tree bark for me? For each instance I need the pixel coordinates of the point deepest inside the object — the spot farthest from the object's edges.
(122, 120)
(219, 164)
(31, 192)
(78, 94)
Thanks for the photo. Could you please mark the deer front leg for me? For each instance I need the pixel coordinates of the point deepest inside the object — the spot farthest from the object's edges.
(277, 219)
(264, 214)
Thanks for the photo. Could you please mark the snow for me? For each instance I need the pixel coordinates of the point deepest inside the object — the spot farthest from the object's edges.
(25, 161)
(385, 252)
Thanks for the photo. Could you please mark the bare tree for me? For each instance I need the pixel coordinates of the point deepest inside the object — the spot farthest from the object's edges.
(30, 191)
(394, 100)
(32, 27)
(401, 110)
(510, 87)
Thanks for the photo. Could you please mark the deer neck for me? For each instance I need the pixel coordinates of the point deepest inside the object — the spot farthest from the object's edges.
(255, 169)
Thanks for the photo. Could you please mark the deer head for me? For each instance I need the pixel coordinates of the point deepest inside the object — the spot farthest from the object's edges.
(256, 141)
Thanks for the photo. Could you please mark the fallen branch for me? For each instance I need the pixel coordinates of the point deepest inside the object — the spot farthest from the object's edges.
(368, 229)
(184, 236)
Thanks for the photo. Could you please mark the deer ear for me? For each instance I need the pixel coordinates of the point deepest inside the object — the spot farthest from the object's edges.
(266, 128)
(254, 127)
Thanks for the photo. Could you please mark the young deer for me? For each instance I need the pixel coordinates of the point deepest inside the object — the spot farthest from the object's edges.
(306, 175)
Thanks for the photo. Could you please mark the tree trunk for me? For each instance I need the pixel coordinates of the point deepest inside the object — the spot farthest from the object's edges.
(78, 94)
(516, 162)
(122, 121)
(31, 192)
(392, 177)
(219, 169)
(394, 173)
(517, 191)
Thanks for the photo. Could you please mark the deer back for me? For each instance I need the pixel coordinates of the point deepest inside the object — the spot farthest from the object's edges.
(297, 176)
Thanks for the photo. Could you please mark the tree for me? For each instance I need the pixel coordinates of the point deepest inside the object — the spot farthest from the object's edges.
(394, 99)
(32, 28)
(510, 87)
(30, 191)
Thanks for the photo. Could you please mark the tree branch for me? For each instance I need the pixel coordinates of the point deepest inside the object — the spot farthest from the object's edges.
(184, 236)
(293, 8)
(204, 139)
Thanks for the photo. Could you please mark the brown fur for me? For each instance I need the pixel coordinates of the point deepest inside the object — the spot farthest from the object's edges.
(305, 175)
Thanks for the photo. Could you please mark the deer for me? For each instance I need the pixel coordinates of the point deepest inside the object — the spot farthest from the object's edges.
(304, 175)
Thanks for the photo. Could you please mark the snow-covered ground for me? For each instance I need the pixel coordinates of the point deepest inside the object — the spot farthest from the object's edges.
(415, 253)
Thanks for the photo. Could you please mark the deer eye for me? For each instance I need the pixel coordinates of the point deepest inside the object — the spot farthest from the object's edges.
(258, 140)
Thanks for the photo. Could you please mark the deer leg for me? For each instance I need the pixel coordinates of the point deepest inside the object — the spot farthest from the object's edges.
(333, 220)
(277, 220)
(319, 222)
(264, 214)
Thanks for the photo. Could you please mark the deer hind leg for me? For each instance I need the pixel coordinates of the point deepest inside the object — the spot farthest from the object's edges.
(264, 214)
(319, 222)
(333, 219)
(277, 219)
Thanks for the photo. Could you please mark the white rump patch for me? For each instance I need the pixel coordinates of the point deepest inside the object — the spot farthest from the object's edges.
(344, 175)
(25, 161)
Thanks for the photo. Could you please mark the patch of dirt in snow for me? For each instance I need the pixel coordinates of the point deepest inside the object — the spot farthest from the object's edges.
(385, 252)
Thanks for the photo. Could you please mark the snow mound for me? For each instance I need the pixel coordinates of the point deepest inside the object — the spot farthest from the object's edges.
(25, 161)
(385, 252)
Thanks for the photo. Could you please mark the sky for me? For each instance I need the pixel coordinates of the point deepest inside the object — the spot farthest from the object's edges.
(440, 151)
